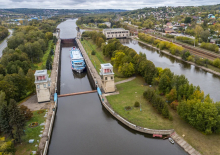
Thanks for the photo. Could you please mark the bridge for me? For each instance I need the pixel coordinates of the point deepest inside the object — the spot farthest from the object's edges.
(79, 93)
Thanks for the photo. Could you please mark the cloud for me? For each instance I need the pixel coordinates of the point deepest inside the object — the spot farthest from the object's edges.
(100, 4)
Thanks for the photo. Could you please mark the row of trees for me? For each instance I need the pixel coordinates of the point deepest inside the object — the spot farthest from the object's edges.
(187, 40)
(97, 37)
(178, 50)
(158, 102)
(209, 46)
(3, 33)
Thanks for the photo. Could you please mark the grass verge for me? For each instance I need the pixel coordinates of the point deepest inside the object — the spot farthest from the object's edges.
(149, 117)
(129, 93)
(25, 147)
(99, 58)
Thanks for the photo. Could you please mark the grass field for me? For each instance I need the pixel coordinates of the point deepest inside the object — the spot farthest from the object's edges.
(132, 91)
(98, 58)
(31, 133)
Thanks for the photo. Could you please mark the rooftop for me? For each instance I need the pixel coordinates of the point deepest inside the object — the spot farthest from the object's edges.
(41, 72)
(114, 29)
(106, 65)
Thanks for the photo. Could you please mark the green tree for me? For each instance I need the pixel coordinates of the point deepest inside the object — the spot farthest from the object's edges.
(204, 35)
(49, 35)
(187, 20)
(2, 70)
(6, 147)
(5, 125)
(127, 69)
(30, 80)
(17, 120)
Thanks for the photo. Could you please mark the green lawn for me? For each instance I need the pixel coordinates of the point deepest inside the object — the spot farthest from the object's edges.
(129, 93)
(99, 58)
(149, 117)
(31, 133)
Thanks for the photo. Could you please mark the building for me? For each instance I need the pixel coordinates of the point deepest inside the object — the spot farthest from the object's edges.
(107, 24)
(116, 33)
(107, 76)
(42, 82)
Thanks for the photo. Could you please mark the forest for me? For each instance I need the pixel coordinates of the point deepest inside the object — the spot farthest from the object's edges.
(17, 66)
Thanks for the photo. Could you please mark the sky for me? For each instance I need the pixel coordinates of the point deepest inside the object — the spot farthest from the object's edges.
(100, 4)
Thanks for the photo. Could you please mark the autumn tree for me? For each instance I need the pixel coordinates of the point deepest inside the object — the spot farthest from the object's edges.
(198, 31)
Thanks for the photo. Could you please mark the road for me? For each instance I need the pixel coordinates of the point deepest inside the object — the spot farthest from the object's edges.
(3, 45)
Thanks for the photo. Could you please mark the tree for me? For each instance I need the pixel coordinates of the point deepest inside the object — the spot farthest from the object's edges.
(198, 31)
(30, 80)
(127, 69)
(100, 41)
(17, 120)
(2, 70)
(5, 125)
(49, 35)
(26, 112)
(165, 111)
(204, 35)
(187, 20)
(6, 147)
(172, 95)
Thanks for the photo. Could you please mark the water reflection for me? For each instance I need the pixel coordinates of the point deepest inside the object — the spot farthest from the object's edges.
(208, 82)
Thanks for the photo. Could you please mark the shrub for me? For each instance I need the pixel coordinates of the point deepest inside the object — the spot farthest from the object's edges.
(136, 104)
(26, 112)
(190, 58)
(216, 62)
(210, 46)
(128, 108)
(174, 104)
(93, 52)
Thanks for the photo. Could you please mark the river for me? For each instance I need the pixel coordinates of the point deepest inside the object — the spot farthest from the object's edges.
(3, 45)
(208, 82)
(84, 127)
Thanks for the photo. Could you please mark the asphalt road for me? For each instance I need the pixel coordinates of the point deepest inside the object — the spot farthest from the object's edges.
(3, 45)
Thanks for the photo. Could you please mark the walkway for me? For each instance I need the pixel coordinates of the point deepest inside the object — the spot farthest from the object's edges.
(127, 80)
(54, 74)
(33, 105)
(188, 148)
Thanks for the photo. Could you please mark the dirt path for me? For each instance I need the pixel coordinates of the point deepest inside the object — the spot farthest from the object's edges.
(127, 80)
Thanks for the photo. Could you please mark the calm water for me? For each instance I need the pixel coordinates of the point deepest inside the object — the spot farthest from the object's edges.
(84, 127)
(208, 82)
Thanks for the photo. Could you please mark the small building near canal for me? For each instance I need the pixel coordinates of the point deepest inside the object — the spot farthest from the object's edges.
(116, 33)
(107, 76)
(43, 83)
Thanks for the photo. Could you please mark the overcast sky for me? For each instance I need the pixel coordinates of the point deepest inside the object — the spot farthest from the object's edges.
(100, 4)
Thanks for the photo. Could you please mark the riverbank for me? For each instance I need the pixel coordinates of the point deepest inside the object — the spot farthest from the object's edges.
(179, 58)
(124, 120)
(149, 118)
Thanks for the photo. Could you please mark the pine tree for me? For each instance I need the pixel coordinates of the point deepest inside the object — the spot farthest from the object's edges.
(5, 120)
(165, 111)
(17, 119)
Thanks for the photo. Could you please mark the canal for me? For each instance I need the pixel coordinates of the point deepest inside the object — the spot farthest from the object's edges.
(208, 82)
(84, 127)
